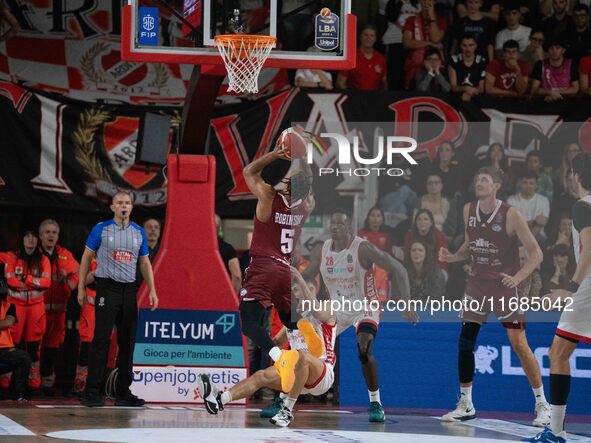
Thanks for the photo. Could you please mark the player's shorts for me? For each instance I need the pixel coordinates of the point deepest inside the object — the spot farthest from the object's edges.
(492, 296)
(268, 281)
(575, 323)
(323, 384)
(55, 329)
(30, 325)
(345, 319)
(86, 325)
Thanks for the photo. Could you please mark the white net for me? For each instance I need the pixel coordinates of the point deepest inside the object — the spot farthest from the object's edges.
(244, 56)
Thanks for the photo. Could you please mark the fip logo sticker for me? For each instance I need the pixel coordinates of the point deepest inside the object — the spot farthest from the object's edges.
(148, 26)
(326, 30)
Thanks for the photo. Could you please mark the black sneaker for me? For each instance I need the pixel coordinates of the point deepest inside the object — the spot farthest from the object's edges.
(92, 400)
(210, 394)
(129, 400)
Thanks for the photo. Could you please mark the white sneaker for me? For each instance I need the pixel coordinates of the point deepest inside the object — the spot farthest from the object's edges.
(283, 418)
(542, 415)
(464, 410)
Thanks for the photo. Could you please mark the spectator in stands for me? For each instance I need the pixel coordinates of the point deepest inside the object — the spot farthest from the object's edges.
(532, 285)
(578, 38)
(514, 29)
(556, 77)
(534, 207)
(562, 234)
(421, 31)
(445, 165)
(229, 257)
(430, 78)
(533, 162)
(444, 211)
(584, 73)
(397, 12)
(313, 78)
(466, 70)
(563, 269)
(496, 157)
(425, 278)
(490, 9)
(423, 228)
(562, 176)
(152, 227)
(535, 50)
(507, 77)
(398, 203)
(563, 203)
(297, 28)
(559, 22)
(370, 73)
(475, 23)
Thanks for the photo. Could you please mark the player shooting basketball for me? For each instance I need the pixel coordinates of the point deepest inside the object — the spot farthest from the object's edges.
(279, 218)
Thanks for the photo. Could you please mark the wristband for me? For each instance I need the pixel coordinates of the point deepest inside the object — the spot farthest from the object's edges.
(573, 286)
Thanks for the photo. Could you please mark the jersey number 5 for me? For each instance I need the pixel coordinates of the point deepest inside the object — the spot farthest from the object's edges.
(287, 240)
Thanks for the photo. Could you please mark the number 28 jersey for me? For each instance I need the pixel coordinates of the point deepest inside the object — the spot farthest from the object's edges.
(277, 237)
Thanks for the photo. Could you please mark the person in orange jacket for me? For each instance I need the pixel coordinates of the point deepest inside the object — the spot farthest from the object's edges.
(64, 278)
(28, 274)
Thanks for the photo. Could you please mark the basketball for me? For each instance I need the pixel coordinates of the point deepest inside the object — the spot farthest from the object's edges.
(294, 141)
(325, 12)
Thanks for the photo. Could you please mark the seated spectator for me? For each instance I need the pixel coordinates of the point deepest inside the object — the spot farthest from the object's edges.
(398, 204)
(443, 210)
(430, 78)
(562, 177)
(563, 202)
(445, 165)
(531, 287)
(507, 77)
(559, 233)
(533, 162)
(563, 269)
(559, 22)
(423, 228)
(475, 23)
(491, 9)
(420, 32)
(535, 50)
(18, 360)
(514, 30)
(397, 12)
(425, 278)
(369, 73)
(578, 38)
(496, 158)
(584, 73)
(556, 77)
(534, 207)
(313, 78)
(467, 69)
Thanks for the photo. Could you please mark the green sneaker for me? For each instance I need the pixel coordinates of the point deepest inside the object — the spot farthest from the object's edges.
(376, 412)
(273, 408)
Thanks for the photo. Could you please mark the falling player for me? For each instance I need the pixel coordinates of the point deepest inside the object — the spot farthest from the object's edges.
(279, 218)
(314, 372)
(494, 230)
(346, 265)
(575, 322)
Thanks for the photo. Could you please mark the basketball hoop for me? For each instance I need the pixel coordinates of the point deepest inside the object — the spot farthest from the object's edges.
(244, 55)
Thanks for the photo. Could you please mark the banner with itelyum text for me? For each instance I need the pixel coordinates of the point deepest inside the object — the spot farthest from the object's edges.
(64, 153)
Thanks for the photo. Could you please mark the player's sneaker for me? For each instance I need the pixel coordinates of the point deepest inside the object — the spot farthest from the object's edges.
(311, 337)
(547, 436)
(286, 367)
(376, 412)
(273, 408)
(464, 410)
(542, 415)
(210, 394)
(283, 418)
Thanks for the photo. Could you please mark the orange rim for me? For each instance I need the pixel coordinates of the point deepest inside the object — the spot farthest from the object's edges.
(248, 39)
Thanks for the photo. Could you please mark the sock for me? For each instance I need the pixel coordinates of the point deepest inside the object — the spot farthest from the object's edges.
(539, 394)
(374, 396)
(275, 353)
(466, 392)
(282, 395)
(289, 403)
(557, 418)
(226, 397)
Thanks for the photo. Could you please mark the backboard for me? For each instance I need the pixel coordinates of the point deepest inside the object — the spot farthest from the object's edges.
(182, 31)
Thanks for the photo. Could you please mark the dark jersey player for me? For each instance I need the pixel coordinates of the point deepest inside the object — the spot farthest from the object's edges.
(575, 322)
(279, 218)
(493, 232)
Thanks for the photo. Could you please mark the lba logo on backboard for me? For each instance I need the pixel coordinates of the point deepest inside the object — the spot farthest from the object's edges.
(385, 148)
(148, 26)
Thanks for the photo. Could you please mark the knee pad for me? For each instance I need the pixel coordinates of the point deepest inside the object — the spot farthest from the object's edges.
(364, 354)
(468, 336)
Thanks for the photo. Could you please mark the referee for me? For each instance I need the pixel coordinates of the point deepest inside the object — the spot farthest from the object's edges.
(120, 246)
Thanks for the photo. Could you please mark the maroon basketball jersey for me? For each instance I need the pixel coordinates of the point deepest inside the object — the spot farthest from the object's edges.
(492, 250)
(277, 237)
